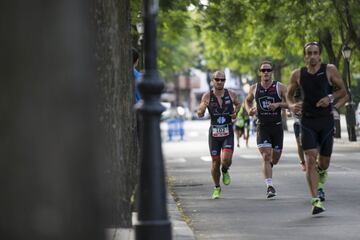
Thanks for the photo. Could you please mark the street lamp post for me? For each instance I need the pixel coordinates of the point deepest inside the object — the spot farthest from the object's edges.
(350, 112)
(153, 222)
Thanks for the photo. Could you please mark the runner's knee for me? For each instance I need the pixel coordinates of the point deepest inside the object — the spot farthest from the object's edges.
(266, 155)
(324, 162)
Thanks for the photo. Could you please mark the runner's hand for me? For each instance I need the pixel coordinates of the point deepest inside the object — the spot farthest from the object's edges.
(233, 115)
(274, 106)
(324, 102)
(252, 111)
(296, 108)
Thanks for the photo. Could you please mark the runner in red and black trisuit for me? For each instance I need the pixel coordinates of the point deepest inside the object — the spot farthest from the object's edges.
(220, 103)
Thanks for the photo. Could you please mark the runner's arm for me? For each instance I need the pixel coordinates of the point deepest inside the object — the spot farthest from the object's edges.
(283, 103)
(294, 106)
(236, 103)
(203, 105)
(340, 94)
(249, 101)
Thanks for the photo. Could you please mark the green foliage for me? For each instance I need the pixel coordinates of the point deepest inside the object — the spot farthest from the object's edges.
(240, 33)
(177, 46)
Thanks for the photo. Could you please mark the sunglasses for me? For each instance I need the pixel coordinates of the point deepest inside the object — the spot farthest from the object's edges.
(265, 70)
(219, 79)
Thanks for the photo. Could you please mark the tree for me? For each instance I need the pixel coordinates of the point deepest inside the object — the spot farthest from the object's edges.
(238, 34)
(117, 117)
(48, 142)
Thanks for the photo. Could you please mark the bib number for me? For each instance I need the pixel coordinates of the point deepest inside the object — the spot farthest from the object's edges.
(220, 130)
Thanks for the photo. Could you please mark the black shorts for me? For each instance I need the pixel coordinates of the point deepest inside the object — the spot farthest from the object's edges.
(271, 136)
(218, 143)
(246, 126)
(318, 133)
(297, 129)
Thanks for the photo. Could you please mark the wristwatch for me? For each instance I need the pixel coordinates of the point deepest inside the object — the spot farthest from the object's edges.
(331, 97)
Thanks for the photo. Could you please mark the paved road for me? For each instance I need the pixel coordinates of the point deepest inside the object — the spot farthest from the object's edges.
(243, 212)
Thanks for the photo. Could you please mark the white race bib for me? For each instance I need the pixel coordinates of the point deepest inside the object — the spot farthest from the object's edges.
(220, 130)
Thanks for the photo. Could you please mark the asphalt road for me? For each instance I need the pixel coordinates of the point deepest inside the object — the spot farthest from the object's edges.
(243, 212)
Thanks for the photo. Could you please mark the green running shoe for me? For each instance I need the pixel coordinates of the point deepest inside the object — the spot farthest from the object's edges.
(226, 178)
(216, 193)
(317, 206)
(323, 175)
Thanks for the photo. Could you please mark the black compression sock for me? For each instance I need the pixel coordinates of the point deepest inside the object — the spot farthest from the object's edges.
(224, 169)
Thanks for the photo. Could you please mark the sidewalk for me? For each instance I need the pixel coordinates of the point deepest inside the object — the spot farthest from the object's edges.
(180, 230)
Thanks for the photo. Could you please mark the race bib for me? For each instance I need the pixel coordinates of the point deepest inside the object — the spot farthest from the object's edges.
(220, 130)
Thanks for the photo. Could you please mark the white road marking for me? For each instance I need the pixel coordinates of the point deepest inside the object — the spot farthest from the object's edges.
(193, 134)
(250, 156)
(206, 158)
(289, 155)
(177, 160)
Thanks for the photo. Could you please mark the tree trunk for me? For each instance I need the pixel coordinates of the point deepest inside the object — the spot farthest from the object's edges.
(277, 71)
(48, 142)
(116, 110)
(326, 41)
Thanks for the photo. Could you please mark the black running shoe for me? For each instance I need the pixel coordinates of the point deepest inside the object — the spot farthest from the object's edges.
(321, 194)
(270, 192)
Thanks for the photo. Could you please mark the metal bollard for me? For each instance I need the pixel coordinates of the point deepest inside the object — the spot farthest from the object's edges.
(337, 126)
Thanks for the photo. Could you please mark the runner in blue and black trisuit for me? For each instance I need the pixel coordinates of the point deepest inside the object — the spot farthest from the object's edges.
(270, 97)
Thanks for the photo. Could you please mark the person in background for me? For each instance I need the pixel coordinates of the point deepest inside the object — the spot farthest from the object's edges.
(242, 126)
(137, 74)
(297, 127)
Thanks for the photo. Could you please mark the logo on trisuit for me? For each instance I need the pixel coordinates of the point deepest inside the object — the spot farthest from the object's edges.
(265, 102)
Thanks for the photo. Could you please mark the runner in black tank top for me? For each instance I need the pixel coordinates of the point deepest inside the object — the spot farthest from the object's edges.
(317, 123)
(220, 103)
(270, 98)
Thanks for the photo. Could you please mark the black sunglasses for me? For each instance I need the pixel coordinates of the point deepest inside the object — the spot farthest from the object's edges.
(266, 70)
(219, 79)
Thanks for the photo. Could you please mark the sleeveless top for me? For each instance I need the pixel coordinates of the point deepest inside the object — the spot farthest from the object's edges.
(313, 88)
(264, 97)
(221, 122)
